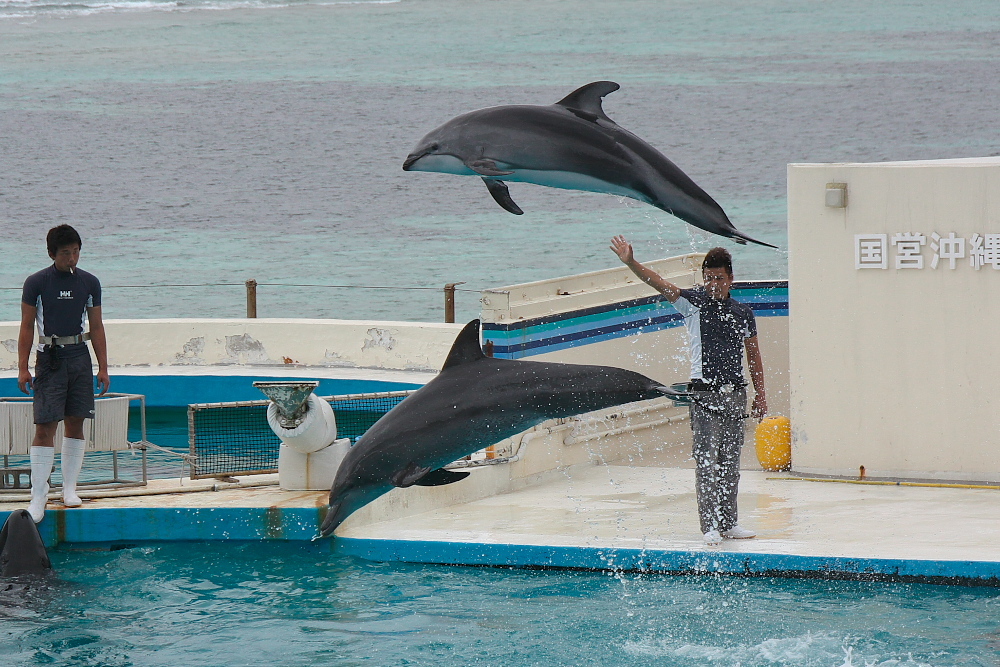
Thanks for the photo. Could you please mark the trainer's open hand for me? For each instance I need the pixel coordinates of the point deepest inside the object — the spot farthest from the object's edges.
(622, 248)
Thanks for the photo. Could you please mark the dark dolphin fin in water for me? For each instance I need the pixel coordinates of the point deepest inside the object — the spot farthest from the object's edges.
(21, 548)
(501, 195)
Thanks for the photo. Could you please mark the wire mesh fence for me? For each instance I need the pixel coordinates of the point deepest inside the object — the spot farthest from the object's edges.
(234, 438)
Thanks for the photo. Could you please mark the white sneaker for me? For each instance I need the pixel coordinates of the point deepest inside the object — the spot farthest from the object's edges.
(738, 533)
(713, 537)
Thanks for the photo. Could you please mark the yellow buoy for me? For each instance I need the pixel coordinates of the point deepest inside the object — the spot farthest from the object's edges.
(774, 443)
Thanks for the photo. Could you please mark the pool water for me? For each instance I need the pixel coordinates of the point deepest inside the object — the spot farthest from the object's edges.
(296, 604)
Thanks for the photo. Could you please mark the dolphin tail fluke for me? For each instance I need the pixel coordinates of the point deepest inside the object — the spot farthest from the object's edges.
(501, 195)
(742, 239)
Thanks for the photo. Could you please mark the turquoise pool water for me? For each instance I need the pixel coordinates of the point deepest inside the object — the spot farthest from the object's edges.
(291, 604)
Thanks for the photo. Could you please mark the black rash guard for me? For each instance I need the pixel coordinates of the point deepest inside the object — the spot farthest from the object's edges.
(62, 299)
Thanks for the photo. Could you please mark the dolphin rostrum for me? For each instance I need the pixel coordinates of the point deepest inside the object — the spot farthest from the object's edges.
(473, 402)
(573, 145)
(21, 549)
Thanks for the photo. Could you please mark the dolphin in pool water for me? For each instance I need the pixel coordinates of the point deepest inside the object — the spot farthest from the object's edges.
(573, 145)
(473, 402)
(22, 551)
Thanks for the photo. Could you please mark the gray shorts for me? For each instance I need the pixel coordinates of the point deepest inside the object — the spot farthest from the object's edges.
(63, 387)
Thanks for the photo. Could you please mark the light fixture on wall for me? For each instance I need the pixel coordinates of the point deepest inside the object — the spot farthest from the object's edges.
(836, 195)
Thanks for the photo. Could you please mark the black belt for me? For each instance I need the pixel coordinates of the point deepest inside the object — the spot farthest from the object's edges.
(721, 387)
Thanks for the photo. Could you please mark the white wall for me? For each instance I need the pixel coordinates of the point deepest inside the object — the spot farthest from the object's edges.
(266, 342)
(894, 369)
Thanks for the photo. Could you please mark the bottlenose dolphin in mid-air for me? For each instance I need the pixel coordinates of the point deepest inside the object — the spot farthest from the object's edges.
(573, 145)
(22, 551)
(473, 402)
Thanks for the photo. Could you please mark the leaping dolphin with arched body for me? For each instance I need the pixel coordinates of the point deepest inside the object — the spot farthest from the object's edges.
(473, 402)
(573, 145)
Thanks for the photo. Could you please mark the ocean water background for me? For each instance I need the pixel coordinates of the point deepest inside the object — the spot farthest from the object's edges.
(212, 141)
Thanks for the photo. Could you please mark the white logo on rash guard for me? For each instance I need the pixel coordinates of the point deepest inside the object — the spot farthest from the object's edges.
(66, 294)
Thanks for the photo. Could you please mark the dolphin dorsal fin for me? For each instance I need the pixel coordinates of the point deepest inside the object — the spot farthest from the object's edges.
(466, 347)
(586, 101)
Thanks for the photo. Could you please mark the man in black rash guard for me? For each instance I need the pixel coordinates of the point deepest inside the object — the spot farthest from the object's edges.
(60, 300)
(719, 329)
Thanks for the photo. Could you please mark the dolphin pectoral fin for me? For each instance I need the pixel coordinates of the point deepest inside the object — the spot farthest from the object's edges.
(440, 477)
(502, 195)
(409, 475)
(486, 167)
(414, 475)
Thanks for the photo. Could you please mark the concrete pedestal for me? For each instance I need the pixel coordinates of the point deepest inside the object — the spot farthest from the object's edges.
(310, 472)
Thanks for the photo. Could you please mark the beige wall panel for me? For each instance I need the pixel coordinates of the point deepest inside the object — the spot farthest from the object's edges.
(894, 369)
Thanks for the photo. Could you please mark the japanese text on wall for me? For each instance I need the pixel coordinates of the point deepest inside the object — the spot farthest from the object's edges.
(913, 250)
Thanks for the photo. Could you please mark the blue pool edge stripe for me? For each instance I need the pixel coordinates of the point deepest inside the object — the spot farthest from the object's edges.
(111, 525)
(980, 573)
(121, 525)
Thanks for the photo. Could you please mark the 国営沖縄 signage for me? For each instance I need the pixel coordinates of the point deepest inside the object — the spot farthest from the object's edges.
(911, 250)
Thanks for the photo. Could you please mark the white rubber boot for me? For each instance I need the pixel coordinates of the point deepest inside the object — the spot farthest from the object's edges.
(41, 468)
(71, 461)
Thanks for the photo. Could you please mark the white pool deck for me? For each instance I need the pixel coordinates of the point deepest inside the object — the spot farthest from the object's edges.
(595, 516)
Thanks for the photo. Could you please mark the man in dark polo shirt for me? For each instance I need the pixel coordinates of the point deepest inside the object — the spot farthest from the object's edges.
(719, 330)
(60, 301)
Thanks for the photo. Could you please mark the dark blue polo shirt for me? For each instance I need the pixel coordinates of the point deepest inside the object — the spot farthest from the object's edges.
(716, 332)
(62, 299)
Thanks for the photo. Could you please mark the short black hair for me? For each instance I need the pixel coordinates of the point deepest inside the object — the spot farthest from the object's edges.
(60, 236)
(718, 258)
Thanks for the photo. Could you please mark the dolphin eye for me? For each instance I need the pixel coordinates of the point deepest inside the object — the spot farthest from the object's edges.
(434, 148)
